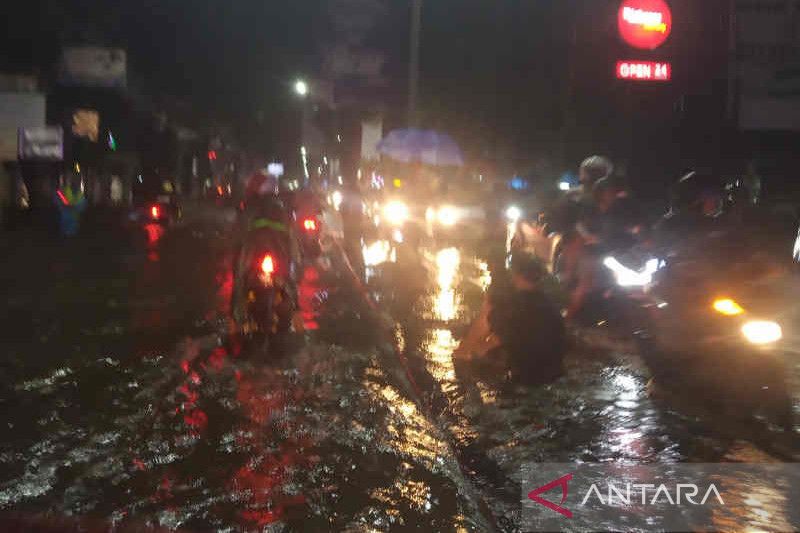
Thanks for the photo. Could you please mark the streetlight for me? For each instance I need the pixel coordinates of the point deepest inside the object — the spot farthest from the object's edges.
(301, 88)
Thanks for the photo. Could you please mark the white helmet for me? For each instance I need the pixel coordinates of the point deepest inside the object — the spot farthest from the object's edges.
(595, 168)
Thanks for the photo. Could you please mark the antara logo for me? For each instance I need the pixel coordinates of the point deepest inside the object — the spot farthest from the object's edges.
(613, 494)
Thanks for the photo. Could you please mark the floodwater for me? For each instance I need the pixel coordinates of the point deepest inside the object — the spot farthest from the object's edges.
(136, 407)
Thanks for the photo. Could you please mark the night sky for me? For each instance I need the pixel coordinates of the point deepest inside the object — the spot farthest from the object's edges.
(494, 72)
(485, 64)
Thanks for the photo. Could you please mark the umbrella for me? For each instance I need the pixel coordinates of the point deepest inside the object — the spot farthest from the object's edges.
(425, 146)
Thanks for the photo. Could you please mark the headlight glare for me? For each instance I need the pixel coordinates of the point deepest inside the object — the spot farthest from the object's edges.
(513, 213)
(396, 213)
(762, 332)
(727, 307)
(447, 215)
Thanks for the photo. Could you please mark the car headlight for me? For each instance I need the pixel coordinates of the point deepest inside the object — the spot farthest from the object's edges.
(395, 213)
(513, 213)
(762, 332)
(727, 307)
(447, 215)
(627, 277)
(336, 199)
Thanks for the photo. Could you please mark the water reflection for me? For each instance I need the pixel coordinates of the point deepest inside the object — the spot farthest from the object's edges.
(485, 277)
(378, 252)
(446, 302)
(154, 234)
(753, 505)
(411, 433)
(440, 356)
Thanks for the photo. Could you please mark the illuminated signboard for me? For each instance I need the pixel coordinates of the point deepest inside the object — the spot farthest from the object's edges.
(644, 71)
(644, 24)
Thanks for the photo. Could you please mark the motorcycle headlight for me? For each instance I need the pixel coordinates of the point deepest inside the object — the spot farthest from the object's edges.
(762, 332)
(513, 213)
(396, 213)
(627, 277)
(336, 199)
(727, 307)
(447, 215)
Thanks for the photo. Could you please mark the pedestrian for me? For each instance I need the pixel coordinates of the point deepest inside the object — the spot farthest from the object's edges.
(519, 331)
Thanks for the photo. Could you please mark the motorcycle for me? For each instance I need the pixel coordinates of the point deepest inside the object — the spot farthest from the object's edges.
(710, 333)
(164, 210)
(264, 298)
(310, 229)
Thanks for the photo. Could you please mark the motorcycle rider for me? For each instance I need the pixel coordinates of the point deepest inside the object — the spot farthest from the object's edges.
(614, 222)
(264, 224)
(572, 209)
(519, 330)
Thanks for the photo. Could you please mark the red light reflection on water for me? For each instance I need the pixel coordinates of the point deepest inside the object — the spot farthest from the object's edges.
(307, 292)
(154, 234)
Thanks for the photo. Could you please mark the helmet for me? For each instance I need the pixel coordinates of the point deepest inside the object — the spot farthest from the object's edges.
(260, 184)
(595, 168)
(527, 266)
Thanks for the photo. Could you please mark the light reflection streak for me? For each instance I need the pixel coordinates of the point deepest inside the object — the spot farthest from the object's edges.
(415, 493)
(440, 356)
(445, 304)
(485, 279)
(413, 431)
(752, 505)
(377, 253)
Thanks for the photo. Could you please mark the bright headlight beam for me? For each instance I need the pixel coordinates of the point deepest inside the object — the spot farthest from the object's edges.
(630, 278)
(447, 216)
(396, 213)
(762, 332)
(727, 307)
(513, 213)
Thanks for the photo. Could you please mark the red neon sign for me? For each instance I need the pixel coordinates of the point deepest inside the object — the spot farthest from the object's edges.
(644, 71)
(644, 24)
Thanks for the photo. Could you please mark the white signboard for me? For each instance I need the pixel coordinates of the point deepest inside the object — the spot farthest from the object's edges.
(18, 110)
(371, 135)
(43, 143)
(92, 66)
(768, 65)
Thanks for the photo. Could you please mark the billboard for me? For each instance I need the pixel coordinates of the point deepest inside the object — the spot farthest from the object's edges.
(93, 66)
(18, 110)
(41, 143)
(644, 70)
(86, 123)
(644, 24)
(768, 66)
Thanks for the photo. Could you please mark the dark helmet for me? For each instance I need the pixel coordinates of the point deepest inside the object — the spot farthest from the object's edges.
(595, 168)
(528, 266)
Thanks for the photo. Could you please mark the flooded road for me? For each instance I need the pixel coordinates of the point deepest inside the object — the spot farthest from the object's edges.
(125, 400)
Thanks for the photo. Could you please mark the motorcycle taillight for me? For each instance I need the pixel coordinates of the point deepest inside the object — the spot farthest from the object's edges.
(268, 264)
(310, 225)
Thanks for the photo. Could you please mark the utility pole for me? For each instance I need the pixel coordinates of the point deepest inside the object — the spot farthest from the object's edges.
(733, 67)
(413, 65)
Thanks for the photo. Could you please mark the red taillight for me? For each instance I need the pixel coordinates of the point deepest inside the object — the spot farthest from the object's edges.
(268, 265)
(155, 212)
(310, 224)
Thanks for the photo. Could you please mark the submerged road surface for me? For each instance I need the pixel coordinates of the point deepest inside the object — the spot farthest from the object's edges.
(125, 401)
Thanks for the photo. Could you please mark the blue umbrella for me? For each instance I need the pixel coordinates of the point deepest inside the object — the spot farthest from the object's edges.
(424, 146)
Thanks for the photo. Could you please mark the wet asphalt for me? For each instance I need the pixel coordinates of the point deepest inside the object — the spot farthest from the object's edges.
(127, 400)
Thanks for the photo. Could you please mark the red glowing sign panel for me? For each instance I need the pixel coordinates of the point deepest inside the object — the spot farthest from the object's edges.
(644, 24)
(644, 71)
